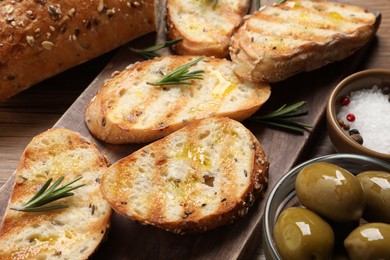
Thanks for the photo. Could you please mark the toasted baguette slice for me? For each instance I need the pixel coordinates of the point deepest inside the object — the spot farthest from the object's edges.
(203, 176)
(282, 40)
(128, 109)
(205, 28)
(70, 233)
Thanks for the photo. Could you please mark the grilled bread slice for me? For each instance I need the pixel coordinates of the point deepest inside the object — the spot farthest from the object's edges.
(129, 110)
(203, 176)
(70, 233)
(282, 40)
(205, 26)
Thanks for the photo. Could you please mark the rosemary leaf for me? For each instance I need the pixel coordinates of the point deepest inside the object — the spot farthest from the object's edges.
(282, 118)
(258, 4)
(288, 127)
(180, 75)
(278, 2)
(150, 52)
(214, 2)
(39, 209)
(284, 111)
(47, 194)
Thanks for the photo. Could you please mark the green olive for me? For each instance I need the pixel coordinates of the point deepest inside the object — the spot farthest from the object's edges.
(330, 191)
(301, 234)
(376, 186)
(369, 241)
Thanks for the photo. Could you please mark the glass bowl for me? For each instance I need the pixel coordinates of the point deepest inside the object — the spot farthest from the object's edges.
(339, 137)
(283, 194)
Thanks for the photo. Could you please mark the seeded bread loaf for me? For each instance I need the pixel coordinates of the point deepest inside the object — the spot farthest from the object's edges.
(205, 26)
(129, 110)
(40, 38)
(200, 177)
(70, 233)
(282, 40)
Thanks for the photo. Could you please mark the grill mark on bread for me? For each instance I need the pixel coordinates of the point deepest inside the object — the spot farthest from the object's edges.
(204, 108)
(124, 174)
(156, 209)
(307, 17)
(136, 115)
(183, 101)
(14, 223)
(185, 187)
(51, 165)
(228, 191)
(146, 102)
(298, 32)
(172, 111)
(300, 24)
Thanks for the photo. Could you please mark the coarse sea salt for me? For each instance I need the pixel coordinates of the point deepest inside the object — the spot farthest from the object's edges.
(371, 109)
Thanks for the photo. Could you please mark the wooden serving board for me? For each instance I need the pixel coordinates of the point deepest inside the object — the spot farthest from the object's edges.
(130, 240)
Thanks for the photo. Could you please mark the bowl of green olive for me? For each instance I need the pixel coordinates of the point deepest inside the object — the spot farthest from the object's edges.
(331, 207)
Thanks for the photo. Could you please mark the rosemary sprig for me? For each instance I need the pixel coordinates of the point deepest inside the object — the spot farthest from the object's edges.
(181, 75)
(278, 2)
(258, 4)
(281, 118)
(150, 52)
(48, 194)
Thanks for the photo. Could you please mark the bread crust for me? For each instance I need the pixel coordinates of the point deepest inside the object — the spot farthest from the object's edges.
(71, 233)
(41, 38)
(128, 110)
(204, 28)
(315, 33)
(232, 182)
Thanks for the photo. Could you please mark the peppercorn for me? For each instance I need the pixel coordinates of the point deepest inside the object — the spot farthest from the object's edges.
(345, 101)
(386, 90)
(341, 122)
(346, 127)
(357, 138)
(353, 131)
(351, 117)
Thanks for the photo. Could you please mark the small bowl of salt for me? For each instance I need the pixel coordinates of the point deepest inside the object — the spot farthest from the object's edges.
(358, 114)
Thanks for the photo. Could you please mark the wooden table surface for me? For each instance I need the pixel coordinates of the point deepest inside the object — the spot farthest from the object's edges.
(39, 107)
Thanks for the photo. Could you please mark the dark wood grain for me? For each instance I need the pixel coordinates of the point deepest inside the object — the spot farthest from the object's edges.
(129, 240)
